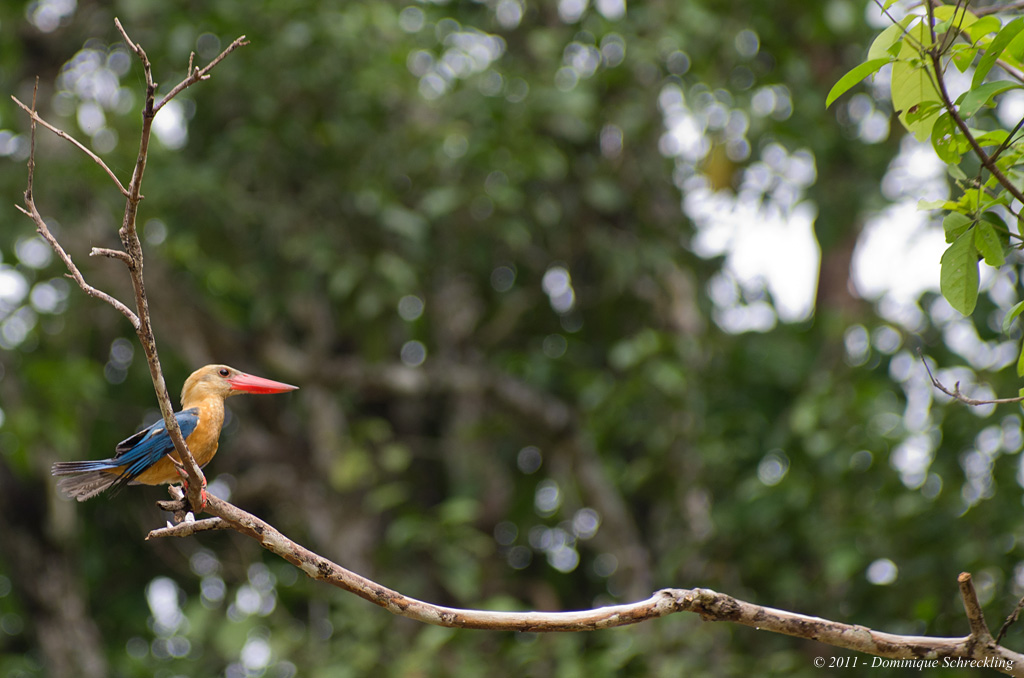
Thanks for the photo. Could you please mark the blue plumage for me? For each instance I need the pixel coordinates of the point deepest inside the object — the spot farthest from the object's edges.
(142, 450)
(134, 454)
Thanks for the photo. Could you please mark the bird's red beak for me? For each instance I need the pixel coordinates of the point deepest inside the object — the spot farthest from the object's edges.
(247, 383)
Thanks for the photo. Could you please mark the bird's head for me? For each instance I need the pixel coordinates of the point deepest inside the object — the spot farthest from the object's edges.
(222, 381)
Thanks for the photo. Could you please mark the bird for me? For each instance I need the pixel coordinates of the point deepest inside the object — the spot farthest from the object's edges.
(149, 457)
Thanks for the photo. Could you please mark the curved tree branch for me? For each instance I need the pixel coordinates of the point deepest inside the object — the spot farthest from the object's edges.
(977, 649)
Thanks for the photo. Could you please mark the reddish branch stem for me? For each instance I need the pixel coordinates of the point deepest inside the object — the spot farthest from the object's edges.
(935, 55)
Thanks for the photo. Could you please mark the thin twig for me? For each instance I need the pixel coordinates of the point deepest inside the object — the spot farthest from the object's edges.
(1010, 620)
(113, 254)
(67, 137)
(955, 393)
(198, 74)
(43, 229)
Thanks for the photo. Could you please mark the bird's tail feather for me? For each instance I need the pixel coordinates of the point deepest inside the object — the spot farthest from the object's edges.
(71, 468)
(86, 485)
(85, 479)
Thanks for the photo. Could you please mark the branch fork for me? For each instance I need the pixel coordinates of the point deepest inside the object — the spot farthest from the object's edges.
(131, 255)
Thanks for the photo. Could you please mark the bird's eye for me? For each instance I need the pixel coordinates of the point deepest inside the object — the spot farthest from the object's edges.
(223, 372)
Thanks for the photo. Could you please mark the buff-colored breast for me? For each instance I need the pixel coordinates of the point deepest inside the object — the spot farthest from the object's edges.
(202, 443)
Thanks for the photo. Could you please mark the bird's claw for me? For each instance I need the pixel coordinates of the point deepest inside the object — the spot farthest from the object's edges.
(203, 497)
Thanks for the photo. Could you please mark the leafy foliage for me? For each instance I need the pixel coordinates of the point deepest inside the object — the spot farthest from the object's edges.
(920, 50)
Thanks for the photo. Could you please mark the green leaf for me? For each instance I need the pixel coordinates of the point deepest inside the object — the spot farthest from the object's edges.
(958, 274)
(1015, 50)
(963, 56)
(926, 205)
(1010, 316)
(988, 244)
(955, 15)
(916, 113)
(951, 17)
(955, 225)
(995, 49)
(977, 97)
(881, 46)
(945, 141)
(984, 26)
(912, 82)
(855, 75)
(1020, 372)
(993, 138)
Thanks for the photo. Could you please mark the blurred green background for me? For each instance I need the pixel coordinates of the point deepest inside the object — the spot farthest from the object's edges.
(481, 237)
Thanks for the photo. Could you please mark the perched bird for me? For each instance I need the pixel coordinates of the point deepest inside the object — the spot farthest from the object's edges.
(146, 457)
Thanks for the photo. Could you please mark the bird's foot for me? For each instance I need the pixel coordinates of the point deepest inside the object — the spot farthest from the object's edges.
(203, 497)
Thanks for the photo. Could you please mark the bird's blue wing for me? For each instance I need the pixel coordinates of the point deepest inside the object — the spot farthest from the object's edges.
(148, 446)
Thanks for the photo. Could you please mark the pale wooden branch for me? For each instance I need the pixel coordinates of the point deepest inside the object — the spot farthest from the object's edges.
(133, 248)
(113, 254)
(972, 607)
(977, 649)
(187, 528)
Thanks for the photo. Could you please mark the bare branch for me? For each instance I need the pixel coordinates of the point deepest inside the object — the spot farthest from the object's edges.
(32, 211)
(1010, 620)
(189, 528)
(73, 272)
(67, 137)
(132, 256)
(977, 649)
(198, 74)
(975, 617)
(955, 393)
(113, 254)
(124, 36)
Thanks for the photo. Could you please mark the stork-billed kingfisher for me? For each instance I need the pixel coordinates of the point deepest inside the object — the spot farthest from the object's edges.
(148, 457)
